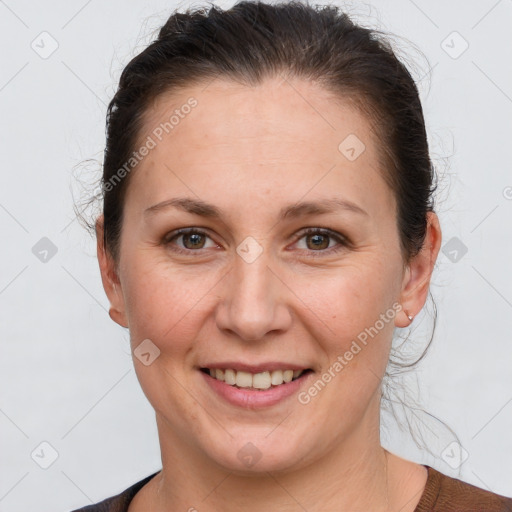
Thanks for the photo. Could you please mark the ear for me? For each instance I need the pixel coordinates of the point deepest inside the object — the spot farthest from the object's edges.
(416, 281)
(110, 278)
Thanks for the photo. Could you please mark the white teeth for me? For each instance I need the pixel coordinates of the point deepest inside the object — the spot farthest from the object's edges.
(277, 377)
(262, 380)
(243, 379)
(230, 377)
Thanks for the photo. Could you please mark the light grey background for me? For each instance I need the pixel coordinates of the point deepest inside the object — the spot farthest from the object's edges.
(66, 370)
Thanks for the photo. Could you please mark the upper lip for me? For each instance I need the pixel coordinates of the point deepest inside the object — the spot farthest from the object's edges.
(254, 368)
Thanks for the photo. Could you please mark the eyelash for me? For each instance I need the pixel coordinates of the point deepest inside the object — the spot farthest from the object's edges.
(343, 241)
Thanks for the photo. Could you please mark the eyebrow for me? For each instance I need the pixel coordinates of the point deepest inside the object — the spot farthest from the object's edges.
(301, 209)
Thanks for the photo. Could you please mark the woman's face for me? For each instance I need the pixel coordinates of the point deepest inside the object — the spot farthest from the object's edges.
(249, 170)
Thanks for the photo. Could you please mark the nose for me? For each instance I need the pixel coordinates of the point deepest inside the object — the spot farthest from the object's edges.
(254, 300)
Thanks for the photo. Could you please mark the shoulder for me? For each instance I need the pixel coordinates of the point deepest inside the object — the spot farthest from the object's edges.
(446, 494)
(119, 502)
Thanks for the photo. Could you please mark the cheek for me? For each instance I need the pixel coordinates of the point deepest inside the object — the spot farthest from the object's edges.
(166, 304)
(354, 323)
(352, 297)
(169, 305)
(355, 309)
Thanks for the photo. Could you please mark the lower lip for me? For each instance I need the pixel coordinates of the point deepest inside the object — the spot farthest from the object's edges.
(251, 399)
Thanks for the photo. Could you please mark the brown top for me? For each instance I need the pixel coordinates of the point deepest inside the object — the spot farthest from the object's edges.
(441, 494)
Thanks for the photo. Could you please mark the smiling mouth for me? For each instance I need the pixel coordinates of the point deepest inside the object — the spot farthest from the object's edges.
(255, 381)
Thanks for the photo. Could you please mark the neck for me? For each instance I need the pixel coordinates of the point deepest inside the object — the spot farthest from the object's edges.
(352, 475)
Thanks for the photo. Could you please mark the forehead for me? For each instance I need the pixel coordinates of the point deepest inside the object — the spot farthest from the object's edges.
(281, 133)
(295, 111)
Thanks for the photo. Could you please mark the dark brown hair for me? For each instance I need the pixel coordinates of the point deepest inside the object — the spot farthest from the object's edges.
(252, 41)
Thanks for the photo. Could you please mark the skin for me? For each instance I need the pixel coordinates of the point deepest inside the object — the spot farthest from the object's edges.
(251, 151)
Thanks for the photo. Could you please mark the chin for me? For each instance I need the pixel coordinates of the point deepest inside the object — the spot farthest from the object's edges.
(254, 455)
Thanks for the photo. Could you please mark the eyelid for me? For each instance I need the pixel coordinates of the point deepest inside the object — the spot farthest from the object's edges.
(170, 237)
(343, 242)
